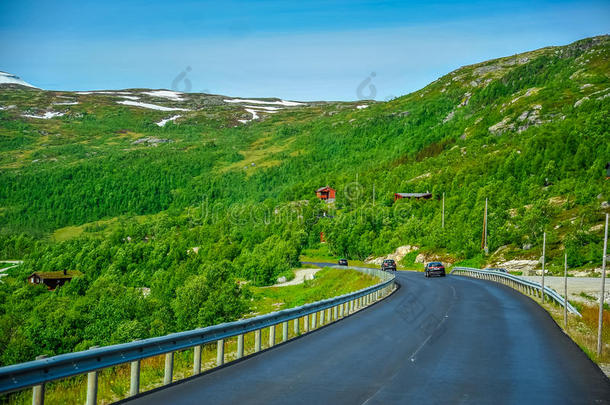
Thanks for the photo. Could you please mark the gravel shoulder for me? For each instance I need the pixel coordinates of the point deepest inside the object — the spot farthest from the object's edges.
(299, 277)
(591, 286)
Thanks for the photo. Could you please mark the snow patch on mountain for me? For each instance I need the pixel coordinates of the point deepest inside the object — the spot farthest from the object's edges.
(130, 97)
(7, 78)
(111, 93)
(45, 116)
(249, 101)
(254, 116)
(165, 121)
(170, 95)
(267, 109)
(150, 106)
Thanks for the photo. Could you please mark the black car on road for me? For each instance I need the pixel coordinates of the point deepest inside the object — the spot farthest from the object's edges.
(500, 269)
(388, 264)
(435, 269)
(342, 262)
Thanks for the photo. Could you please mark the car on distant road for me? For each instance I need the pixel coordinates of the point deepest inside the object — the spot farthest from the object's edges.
(500, 269)
(388, 265)
(435, 269)
(342, 262)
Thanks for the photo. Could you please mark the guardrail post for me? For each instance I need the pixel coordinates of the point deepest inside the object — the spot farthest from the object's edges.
(336, 312)
(197, 360)
(296, 326)
(284, 331)
(220, 352)
(134, 381)
(306, 323)
(322, 317)
(314, 320)
(271, 335)
(92, 385)
(240, 346)
(169, 368)
(257, 340)
(38, 390)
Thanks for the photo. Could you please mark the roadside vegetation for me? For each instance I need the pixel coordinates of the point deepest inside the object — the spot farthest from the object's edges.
(114, 381)
(583, 331)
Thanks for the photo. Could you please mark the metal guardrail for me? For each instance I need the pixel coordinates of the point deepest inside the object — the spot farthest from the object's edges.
(523, 285)
(38, 372)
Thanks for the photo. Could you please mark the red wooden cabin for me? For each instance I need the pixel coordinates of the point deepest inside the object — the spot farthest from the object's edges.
(326, 193)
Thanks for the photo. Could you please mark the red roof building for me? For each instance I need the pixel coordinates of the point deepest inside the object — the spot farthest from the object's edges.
(417, 196)
(326, 193)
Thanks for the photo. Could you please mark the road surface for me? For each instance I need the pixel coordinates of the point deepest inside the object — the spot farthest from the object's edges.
(434, 341)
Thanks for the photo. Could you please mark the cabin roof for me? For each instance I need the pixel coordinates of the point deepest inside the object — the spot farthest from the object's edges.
(414, 195)
(56, 275)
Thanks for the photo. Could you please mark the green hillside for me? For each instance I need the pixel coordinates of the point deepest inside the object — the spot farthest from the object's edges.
(188, 208)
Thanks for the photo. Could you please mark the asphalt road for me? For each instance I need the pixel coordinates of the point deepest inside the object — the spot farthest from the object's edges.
(435, 341)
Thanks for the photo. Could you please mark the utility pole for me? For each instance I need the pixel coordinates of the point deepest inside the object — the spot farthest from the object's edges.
(443, 224)
(565, 291)
(485, 248)
(373, 194)
(601, 298)
(543, 260)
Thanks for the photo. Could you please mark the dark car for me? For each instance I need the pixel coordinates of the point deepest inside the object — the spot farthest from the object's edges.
(388, 265)
(342, 262)
(500, 269)
(435, 269)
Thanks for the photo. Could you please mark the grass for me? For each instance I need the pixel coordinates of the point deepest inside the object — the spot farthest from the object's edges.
(583, 331)
(328, 282)
(113, 383)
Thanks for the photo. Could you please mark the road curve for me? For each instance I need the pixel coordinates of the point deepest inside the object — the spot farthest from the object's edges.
(434, 341)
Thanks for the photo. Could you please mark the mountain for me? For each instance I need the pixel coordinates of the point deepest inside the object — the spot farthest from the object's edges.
(9, 79)
(143, 188)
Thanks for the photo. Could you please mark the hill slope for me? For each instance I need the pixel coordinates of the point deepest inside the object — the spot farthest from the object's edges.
(183, 193)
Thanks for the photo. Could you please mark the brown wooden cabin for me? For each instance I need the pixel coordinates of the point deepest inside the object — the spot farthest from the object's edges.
(53, 279)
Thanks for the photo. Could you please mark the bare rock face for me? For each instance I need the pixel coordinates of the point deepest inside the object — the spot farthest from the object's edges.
(421, 258)
(502, 126)
(519, 265)
(579, 102)
(427, 258)
(397, 256)
(281, 279)
(151, 141)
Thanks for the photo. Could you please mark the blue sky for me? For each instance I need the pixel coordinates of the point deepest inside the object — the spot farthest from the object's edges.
(302, 50)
